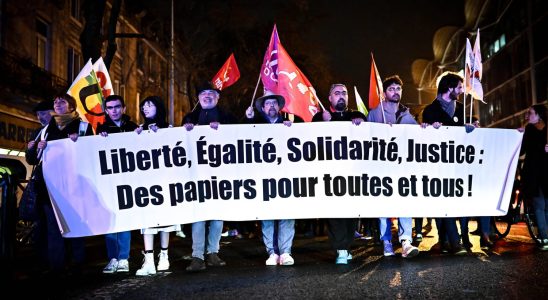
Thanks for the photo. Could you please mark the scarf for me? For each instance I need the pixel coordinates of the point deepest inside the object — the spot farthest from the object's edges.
(448, 107)
(62, 120)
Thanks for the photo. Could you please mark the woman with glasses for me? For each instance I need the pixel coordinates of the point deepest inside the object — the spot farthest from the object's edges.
(534, 174)
(154, 113)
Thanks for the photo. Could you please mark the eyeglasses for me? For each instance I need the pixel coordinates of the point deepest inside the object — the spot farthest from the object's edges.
(272, 102)
(393, 89)
(114, 107)
(148, 105)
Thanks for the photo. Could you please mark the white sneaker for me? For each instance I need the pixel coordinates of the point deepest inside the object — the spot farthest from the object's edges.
(180, 234)
(163, 262)
(111, 266)
(123, 266)
(408, 250)
(342, 257)
(272, 259)
(286, 259)
(148, 266)
(388, 249)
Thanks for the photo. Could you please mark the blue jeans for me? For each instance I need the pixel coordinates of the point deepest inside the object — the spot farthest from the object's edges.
(540, 205)
(278, 239)
(447, 231)
(405, 229)
(118, 245)
(484, 225)
(56, 243)
(199, 238)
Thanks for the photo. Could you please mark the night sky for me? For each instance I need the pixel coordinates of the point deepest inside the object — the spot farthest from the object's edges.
(397, 32)
(330, 40)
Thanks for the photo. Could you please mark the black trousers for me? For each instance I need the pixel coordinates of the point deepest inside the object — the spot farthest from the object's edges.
(341, 232)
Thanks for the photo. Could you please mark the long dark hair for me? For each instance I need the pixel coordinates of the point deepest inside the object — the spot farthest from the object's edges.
(160, 117)
(540, 109)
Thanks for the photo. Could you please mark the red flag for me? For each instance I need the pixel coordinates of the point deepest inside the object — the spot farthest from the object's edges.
(228, 74)
(280, 75)
(375, 86)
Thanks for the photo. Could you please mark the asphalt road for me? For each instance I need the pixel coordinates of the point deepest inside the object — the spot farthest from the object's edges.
(513, 269)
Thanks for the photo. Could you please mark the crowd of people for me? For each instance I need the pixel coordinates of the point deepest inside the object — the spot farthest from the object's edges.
(60, 120)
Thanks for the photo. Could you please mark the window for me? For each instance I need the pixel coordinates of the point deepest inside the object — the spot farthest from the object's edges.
(75, 9)
(74, 64)
(497, 45)
(42, 44)
(116, 87)
(140, 54)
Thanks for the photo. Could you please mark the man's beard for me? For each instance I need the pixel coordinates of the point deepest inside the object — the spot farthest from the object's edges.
(394, 99)
(453, 96)
(272, 113)
(340, 106)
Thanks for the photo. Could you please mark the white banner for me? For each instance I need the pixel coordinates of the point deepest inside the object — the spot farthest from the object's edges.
(253, 172)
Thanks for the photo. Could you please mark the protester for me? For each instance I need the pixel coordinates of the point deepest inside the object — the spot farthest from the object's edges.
(118, 243)
(207, 114)
(64, 123)
(43, 112)
(154, 113)
(534, 175)
(391, 111)
(340, 230)
(446, 110)
(277, 234)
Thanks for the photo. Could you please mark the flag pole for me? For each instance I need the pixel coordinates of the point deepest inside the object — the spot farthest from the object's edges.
(471, 107)
(255, 92)
(464, 98)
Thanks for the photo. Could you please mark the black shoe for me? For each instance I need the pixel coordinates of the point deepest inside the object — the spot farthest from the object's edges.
(486, 244)
(445, 247)
(458, 250)
(466, 242)
(543, 244)
(475, 232)
(213, 260)
(196, 265)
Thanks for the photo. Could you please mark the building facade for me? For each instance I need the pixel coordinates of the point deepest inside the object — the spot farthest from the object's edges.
(515, 58)
(40, 55)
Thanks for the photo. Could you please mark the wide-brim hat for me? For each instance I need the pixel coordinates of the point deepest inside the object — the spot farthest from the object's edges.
(269, 95)
(43, 106)
(206, 85)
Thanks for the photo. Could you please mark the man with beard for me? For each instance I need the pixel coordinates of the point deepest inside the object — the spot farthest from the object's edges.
(207, 114)
(277, 234)
(446, 110)
(391, 111)
(340, 230)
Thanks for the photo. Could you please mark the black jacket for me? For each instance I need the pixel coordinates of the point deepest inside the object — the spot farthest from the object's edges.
(204, 116)
(534, 174)
(346, 115)
(53, 133)
(261, 118)
(435, 113)
(110, 127)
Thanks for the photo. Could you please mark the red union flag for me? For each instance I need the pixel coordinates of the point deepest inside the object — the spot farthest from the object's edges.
(228, 74)
(375, 86)
(280, 75)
